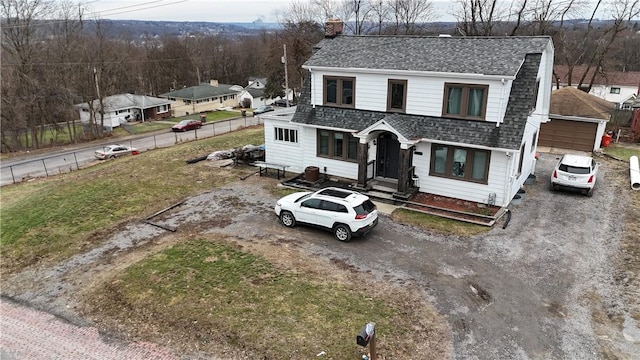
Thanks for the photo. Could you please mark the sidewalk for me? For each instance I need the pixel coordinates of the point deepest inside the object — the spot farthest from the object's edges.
(36, 335)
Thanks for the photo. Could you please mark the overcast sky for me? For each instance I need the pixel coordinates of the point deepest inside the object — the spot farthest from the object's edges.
(205, 10)
(215, 10)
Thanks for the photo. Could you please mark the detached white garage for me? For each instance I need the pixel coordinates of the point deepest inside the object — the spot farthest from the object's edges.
(577, 120)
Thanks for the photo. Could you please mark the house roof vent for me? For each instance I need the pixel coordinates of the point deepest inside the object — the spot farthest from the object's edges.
(444, 35)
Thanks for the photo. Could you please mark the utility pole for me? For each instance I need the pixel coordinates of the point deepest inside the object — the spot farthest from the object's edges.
(286, 76)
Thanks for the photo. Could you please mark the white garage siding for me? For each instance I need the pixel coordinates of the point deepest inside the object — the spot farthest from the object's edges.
(465, 190)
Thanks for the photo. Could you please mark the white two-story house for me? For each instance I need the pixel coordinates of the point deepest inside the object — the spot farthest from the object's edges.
(452, 116)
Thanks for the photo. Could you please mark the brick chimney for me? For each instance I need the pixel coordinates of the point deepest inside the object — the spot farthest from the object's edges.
(213, 82)
(333, 28)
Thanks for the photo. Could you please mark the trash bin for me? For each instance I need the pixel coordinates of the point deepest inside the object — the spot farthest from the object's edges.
(243, 112)
(606, 140)
(203, 118)
(312, 173)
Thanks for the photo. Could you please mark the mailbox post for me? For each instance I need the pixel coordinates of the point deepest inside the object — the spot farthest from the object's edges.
(367, 336)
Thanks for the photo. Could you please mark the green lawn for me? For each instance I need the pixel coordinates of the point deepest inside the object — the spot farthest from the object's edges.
(149, 126)
(622, 152)
(54, 219)
(209, 291)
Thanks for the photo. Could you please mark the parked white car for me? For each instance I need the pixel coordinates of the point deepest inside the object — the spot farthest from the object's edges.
(113, 151)
(344, 212)
(575, 172)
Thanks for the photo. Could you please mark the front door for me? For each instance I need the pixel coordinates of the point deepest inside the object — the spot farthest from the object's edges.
(388, 155)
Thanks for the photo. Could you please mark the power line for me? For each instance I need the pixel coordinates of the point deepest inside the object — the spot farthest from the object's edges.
(130, 6)
(109, 12)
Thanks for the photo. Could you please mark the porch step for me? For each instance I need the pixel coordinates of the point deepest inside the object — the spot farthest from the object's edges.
(383, 195)
(383, 189)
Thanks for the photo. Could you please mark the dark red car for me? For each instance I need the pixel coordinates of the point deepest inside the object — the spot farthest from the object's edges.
(185, 125)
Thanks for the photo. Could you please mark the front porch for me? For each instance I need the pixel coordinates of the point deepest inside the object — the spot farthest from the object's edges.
(386, 191)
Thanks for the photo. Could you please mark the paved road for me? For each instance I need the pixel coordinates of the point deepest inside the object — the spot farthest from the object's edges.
(73, 158)
(36, 335)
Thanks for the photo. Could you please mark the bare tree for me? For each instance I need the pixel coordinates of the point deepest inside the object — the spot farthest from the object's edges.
(358, 15)
(409, 14)
(380, 14)
(21, 37)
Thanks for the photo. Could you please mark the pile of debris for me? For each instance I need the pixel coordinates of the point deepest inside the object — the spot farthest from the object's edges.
(246, 155)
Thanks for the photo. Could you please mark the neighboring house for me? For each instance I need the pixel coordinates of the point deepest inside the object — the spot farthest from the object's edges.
(257, 83)
(254, 91)
(202, 98)
(119, 109)
(578, 120)
(614, 86)
(452, 116)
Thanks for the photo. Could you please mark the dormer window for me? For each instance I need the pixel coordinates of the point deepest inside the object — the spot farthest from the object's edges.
(397, 95)
(465, 101)
(339, 91)
(615, 90)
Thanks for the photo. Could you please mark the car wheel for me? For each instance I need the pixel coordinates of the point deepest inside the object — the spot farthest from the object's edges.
(342, 232)
(112, 157)
(552, 186)
(287, 219)
(589, 192)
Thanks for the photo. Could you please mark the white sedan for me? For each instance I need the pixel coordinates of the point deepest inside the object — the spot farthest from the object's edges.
(113, 151)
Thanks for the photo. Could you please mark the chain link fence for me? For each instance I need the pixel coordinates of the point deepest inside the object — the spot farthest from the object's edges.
(62, 162)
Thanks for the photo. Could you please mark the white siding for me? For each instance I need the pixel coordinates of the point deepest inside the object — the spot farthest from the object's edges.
(299, 156)
(424, 93)
(332, 167)
(498, 167)
(281, 152)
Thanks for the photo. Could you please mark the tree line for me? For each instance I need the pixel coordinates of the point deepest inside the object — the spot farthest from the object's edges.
(52, 59)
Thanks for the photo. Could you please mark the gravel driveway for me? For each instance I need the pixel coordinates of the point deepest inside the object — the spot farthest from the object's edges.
(541, 288)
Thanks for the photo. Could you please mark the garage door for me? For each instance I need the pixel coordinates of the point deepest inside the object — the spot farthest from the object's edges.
(566, 134)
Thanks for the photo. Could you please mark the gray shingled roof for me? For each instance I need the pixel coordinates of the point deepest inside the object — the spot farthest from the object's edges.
(483, 133)
(256, 93)
(128, 101)
(477, 55)
(203, 91)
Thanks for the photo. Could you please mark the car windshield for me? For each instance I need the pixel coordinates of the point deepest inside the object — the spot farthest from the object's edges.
(574, 169)
(365, 208)
(183, 122)
(303, 197)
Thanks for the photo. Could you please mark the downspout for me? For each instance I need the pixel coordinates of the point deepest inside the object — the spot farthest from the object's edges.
(507, 183)
(502, 111)
(313, 89)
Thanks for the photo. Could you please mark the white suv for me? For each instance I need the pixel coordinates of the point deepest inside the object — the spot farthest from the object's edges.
(577, 172)
(344, 212)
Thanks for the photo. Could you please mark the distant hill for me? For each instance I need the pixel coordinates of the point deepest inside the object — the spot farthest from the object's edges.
(143, 28)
